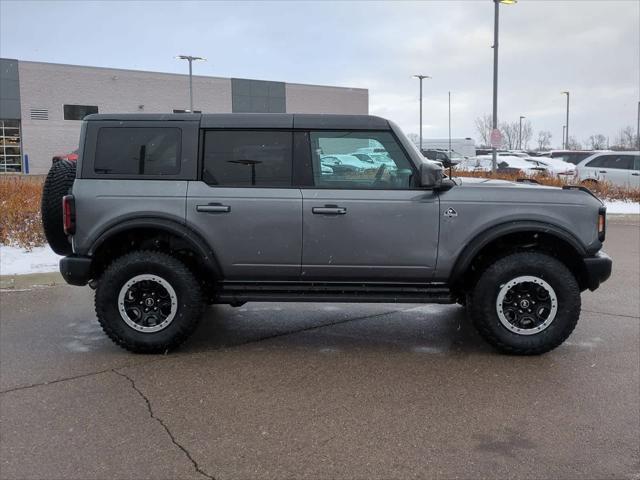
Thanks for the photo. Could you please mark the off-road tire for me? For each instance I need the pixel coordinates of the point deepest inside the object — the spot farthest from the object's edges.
(189, 298)
(57, 184)
(483, 312)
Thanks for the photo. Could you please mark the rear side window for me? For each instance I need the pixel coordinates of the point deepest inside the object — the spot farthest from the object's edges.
(245, 158)
(138, 151)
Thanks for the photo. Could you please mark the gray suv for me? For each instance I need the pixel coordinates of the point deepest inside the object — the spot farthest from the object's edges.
(164, 214)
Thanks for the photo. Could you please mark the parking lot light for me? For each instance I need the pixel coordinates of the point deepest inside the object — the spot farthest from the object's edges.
(494, 160)
(520, 133)
(421, 77)
(190, 59)
(566, 140)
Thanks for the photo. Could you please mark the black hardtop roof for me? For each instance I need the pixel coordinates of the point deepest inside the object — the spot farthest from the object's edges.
(256, 120)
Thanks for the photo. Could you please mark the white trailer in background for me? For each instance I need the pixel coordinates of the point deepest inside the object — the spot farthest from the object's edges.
(464, 146)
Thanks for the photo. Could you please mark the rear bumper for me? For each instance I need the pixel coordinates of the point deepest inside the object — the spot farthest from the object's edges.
(598, 269)
(76, 270)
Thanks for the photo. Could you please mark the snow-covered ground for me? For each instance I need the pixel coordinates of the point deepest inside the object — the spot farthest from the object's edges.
(619, 206)
(16, 260)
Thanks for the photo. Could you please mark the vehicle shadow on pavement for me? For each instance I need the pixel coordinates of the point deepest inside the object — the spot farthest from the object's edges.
(426, 329)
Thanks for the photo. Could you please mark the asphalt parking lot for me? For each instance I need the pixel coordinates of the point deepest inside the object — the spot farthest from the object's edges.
(322, 391)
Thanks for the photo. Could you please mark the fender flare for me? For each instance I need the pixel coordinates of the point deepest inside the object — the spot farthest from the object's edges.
(495, 232)
(166, 224)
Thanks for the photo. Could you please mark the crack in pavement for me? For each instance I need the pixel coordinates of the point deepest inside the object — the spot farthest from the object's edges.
(166, 357)
(612, 314)
(163, 425)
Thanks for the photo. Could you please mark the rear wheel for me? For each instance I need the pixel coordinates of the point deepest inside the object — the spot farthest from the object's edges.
(148, 302)
(526, 303)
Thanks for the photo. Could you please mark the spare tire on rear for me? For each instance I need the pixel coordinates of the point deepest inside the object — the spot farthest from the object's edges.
(57, 185)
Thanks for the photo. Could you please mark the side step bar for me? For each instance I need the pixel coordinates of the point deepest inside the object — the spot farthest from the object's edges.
(237, 292)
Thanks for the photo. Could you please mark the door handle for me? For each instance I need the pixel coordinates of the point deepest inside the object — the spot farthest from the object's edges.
(602, 171)
(213, 208)
(635, 174)
(329, 210)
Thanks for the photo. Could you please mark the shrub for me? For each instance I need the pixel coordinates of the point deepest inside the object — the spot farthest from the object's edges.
(20, 223)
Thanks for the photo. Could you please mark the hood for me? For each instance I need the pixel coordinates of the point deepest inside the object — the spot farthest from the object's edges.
(504, 191)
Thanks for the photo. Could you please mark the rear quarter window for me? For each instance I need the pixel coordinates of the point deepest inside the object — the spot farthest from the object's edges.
(138, 151)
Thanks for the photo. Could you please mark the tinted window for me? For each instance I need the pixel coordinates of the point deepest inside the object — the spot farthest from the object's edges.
(247, 158)
(337, 162)
(78, 112)
(623, 162)
(138, 151)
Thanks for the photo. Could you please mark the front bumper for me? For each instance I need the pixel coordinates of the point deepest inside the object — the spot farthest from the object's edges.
(76, 270)
(598, 269)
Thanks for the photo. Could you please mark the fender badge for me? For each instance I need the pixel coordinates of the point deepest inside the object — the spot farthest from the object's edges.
(450, 213)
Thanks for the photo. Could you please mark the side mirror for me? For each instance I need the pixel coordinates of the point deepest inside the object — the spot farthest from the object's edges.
(431, 175)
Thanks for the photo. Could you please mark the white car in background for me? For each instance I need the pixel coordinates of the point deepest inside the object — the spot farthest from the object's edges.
(342, 163)
(506, 163)
(617, 168)
(555, 166)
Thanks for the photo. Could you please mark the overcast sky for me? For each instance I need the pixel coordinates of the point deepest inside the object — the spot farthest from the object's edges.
(591, 48)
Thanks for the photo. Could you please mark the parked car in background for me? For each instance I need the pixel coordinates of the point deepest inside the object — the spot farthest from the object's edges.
(570, 156)
(73, 157)
(376, 159)
(555, 166)
(618, 168)
(446, 158)
(342, 163)
(465, 147)
(506, 164)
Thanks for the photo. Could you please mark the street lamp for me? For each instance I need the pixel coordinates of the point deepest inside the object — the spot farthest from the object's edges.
(494, 161)
(520, 133)
(564, 128)
(421, 77)
(566, 143)
(190, 59)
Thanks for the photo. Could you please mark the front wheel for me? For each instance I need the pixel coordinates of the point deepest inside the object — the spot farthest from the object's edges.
(148, 302)
(525, 303)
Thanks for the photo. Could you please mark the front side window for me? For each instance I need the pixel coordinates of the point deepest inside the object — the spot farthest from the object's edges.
(246, 158)
(78, 112)
(138, 151)
(359, 160)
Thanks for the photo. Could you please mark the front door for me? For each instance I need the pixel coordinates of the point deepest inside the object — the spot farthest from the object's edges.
(245, 206)
(366, 222)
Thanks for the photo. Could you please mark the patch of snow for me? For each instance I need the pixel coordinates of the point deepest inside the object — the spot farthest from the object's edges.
(18, 261)
(620, 207)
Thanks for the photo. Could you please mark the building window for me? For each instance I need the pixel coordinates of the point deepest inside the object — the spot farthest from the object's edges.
(10, 155)
(78, 112)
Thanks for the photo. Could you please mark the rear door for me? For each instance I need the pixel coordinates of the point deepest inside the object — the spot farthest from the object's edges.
(370, 224)
(244, 204)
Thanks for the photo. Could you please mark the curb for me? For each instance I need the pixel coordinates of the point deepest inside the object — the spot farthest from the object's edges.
(12, 282)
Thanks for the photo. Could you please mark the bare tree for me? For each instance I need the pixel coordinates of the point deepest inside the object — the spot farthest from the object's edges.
(527, 134)
(626, 139)
(544, 139)
(484, 125)
(414, 137)
(573, 144)
(510, 133)
(597, 142)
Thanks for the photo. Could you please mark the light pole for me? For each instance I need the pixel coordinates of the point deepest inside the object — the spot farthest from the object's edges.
(564, 127)
(520, 133)
(638, 128)
(449, 124)
(494, 160)
(566, 143)
(190, 59)
(421, 77)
